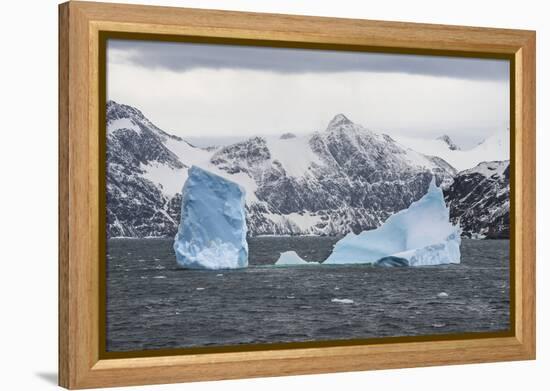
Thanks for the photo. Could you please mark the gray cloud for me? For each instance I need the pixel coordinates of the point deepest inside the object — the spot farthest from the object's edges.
(187, 56)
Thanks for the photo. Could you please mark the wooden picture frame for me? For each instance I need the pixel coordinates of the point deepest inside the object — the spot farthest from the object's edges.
(81, 289)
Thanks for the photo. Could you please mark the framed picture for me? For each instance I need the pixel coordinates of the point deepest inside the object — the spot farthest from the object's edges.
(246, 195)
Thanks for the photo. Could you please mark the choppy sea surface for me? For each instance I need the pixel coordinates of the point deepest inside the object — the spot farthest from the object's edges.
(153, 304)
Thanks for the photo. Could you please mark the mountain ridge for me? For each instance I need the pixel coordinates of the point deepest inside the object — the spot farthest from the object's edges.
(344, 178)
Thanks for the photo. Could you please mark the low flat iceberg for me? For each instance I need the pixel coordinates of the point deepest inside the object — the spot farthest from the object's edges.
(343, 301)
(290, 258)
(212, 230)
(420, 235)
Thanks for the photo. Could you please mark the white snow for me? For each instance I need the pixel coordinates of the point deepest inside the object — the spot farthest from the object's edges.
(418, 159)
(496, 147)
(122, 123)
(243, 179)
(294, 154)
(489, 169)
(418, 236)
(186, 153)
(289, 258)
(305, 221)
(169, 179)
(212, 230)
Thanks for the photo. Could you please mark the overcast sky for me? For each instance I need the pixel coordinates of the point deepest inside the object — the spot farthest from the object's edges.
(220, 91)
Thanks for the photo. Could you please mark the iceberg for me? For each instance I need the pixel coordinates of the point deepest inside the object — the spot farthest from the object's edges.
(290, 258)
(343, 301)
(212, 230)
(420, 235)
(392, 261)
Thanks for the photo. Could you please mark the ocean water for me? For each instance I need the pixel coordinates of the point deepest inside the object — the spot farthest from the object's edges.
(153, 304)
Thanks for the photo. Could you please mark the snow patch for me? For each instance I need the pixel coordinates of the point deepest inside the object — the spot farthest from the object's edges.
(186, 153)
(294, 154)
(496, 147)
(122, 123)
(169, 179)
(489, 169)
(305, 222)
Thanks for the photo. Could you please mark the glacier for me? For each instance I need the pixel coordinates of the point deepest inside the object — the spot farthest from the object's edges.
(420, 235)
(212, 230)
(290, 258)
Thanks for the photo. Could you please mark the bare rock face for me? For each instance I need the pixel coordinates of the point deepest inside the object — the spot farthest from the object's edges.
(479, 199)
(447, 140)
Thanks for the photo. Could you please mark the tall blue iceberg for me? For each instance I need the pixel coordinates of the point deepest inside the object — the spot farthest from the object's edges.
(420, 235)
(212, 230)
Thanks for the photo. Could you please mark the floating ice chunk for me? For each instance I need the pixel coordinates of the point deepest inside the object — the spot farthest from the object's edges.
(443, 294)
(418, 236)
(212, 230)
(343, 301)
(290, 258)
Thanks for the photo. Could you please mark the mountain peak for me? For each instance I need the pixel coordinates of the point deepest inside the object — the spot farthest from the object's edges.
(447, 140)
(117, 110)
(338, 120)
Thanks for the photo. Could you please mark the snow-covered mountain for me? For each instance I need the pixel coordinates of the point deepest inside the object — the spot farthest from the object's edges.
(136, 206)
(330, 182)
(343, 178)
(495, 147)
(479, 200)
